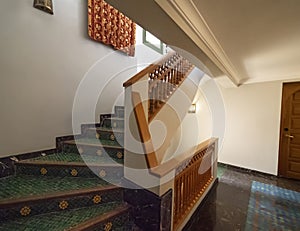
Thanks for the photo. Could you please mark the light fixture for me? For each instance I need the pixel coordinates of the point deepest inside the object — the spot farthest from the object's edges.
(192, 108)
(44, 5)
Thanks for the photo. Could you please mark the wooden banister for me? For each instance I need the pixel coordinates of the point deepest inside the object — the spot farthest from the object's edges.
(144, 132)
(164, 80)
(164, 77)
(193, 177)
(148, 69)
(183, 159)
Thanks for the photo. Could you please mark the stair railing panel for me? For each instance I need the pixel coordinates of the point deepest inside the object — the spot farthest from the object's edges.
(164, 80)
(190, 184)
(195, 171)
(164, 77)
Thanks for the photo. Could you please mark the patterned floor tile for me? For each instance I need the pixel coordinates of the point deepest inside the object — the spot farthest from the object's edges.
(273, 208)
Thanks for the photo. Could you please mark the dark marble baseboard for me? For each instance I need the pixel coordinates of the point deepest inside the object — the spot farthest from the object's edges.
(246, 170)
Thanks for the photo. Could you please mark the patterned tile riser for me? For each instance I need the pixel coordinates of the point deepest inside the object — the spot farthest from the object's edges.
(62, 204)
(118, 223)
(114, 153)
(106, 135)
(115, 173)
(113, 123)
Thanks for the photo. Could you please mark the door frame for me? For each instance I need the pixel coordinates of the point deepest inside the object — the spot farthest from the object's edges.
(282, 160)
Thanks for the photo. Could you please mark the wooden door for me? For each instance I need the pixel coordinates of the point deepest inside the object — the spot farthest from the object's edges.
(289, 149)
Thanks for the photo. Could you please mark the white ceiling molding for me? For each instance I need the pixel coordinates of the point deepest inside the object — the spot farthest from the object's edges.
(292, 78)
(189, 19)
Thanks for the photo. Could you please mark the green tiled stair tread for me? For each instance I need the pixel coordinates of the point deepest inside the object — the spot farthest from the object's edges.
(89, 141)
(73, 158)
(25, 185)
(58, 221)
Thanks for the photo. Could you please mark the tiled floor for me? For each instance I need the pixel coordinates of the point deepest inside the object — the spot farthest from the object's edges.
(247, 201)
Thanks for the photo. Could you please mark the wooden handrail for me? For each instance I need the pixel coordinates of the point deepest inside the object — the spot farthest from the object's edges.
(144, 132)
(148, 69)
(181, 160)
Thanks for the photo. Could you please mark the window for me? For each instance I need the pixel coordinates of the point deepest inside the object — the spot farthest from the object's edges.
(151, 41)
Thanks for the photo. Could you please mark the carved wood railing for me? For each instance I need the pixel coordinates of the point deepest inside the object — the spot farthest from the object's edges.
(164, 80)
(190, 184)
(193, 175)
(164, 77)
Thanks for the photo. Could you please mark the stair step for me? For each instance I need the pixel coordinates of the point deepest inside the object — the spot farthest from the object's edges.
(107, 134)
(109, 170)
(24, 196)
(15, 187)
(114, 215)
(113, 122)
(119, 111)
(73, 159)
(119, 219)
(95, 143)
(94, 147)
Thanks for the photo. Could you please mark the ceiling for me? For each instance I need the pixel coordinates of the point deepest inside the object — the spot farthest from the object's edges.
(249, 41)
(261, 38)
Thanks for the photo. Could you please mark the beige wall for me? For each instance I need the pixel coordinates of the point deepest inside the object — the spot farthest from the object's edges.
(252, 126)
(251, 121)
(43, 59)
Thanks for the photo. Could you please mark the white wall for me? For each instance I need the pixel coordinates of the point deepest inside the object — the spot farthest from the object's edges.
(252, 126)
(251, 120)
(207, 122)
(43, 59)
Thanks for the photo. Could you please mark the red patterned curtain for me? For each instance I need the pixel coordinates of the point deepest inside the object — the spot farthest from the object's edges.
(111, 27)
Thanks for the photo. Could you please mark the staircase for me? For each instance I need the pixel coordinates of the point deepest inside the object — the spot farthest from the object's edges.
(81, 185)
(74, 188)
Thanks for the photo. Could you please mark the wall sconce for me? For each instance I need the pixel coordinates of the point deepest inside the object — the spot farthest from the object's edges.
(192, 108)
(44, 5)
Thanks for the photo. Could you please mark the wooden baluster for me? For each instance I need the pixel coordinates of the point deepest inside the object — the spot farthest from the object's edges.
(183, 192)
(179, 72)
(165, 84)
(196, 180)
(175, 198)
(180, 197)
(188, 186)
(151, 106)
